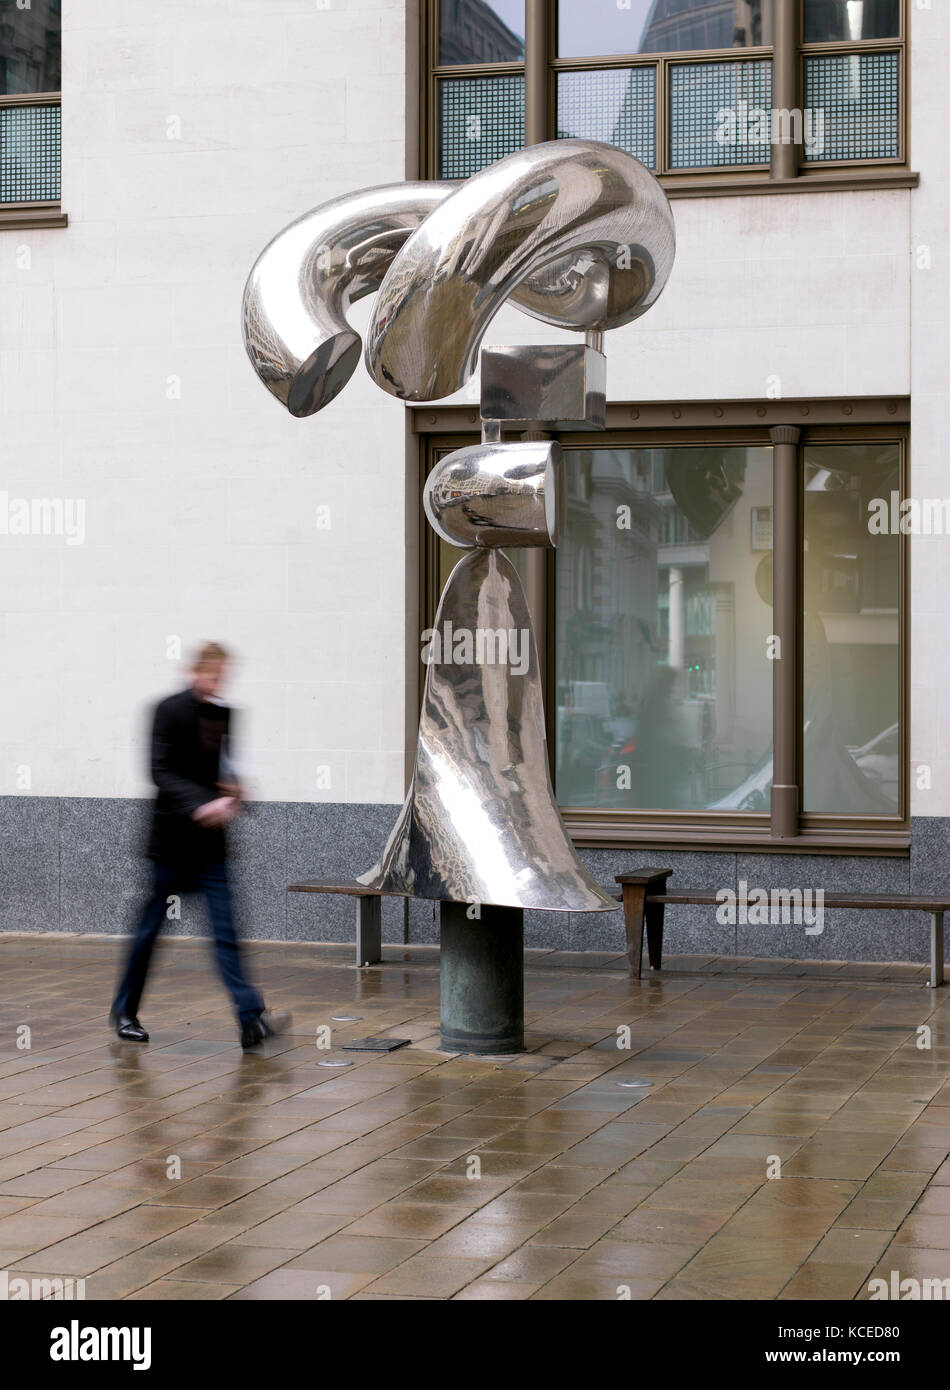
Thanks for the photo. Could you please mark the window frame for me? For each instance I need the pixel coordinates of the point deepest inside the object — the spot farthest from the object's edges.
(38, 213)
(845, 48)
(662, 63)
(740, 424)
(773, 176)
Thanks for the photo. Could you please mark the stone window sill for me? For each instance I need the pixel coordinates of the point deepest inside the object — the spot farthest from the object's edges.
(838, 181)
(32, 215)
(591, 833)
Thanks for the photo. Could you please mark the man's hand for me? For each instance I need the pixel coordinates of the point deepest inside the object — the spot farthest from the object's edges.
(232, 789)
(215, 814)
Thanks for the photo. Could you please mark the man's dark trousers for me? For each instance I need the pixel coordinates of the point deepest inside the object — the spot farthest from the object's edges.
(212, 880)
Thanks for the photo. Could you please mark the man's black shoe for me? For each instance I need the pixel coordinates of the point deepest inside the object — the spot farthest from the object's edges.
(128, 1028)
(266, 1025)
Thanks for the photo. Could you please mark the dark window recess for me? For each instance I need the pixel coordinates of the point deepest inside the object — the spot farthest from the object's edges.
(29, 47)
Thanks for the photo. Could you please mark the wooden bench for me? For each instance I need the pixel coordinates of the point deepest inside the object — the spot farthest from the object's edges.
(369, 929)
(644, 896)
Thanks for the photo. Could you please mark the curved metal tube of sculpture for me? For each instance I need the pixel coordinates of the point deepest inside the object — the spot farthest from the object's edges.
(480, 822)
(302, 284)
(300, 288)
(579, 233)
(496, 494)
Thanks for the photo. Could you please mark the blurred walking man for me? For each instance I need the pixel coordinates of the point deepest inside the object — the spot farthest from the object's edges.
(198, 797)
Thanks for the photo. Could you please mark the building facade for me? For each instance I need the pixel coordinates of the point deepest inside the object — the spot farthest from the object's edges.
(741, 631)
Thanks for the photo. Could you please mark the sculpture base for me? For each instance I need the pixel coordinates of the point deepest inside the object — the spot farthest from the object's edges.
(482, 970)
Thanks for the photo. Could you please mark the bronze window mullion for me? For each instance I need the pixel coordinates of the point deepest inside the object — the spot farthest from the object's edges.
(537, 129)
(536, 60)
(848, 46)
(786, 627)
(785, 81)
(476, 69)
(686, 55)
(661, 101)
(32, 99)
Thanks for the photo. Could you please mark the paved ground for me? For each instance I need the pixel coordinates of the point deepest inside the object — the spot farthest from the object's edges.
(423, 1175)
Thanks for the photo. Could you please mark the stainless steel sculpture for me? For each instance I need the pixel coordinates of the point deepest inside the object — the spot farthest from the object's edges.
(577, 234)
(497, 494)
(305, 280)
(480, 823)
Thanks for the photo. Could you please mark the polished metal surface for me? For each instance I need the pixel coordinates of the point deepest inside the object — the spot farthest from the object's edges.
(579, 233)
(496, 494)
(562, 386)
(480, 823)
(302, 284)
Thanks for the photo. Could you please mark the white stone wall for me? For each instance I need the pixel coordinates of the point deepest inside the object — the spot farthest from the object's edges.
(929, 257)
(799, 294)
(200, 511)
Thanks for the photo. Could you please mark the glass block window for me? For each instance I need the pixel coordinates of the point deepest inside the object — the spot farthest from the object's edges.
(853, 103)
(616, 105)
(720, 113)
(29, 154)
(481, 119)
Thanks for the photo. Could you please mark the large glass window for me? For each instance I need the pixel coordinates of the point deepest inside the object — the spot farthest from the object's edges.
(662, 673)
(851, 80)
(29, 123)
(481, 114)
(684, 85)
(664, 690)
(691, 103)
(851, 633)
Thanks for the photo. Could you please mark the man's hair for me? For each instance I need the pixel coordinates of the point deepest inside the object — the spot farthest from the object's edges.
(208, 653)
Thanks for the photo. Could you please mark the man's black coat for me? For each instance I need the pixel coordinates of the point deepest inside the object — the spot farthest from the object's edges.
(188, 738)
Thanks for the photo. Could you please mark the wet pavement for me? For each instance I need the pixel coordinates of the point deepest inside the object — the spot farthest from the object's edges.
(790, 1140)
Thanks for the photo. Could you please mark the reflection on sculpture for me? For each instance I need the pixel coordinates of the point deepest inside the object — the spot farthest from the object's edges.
(577, 234)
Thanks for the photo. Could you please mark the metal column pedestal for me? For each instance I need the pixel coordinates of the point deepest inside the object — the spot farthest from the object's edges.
(482, 965)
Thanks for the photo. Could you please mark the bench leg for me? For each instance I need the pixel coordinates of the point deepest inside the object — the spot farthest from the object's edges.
(369, 931)
(936, 950)
(634, 898)
(654, 916)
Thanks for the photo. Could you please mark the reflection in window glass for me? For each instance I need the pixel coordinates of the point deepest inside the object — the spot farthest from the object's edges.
(851, 595)
(589, 28)
(663, 611)
(616, 105)
(828, 21)
(854, 105)
(481, 119)
(719, 113)
(29, 47)
(479, 31)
